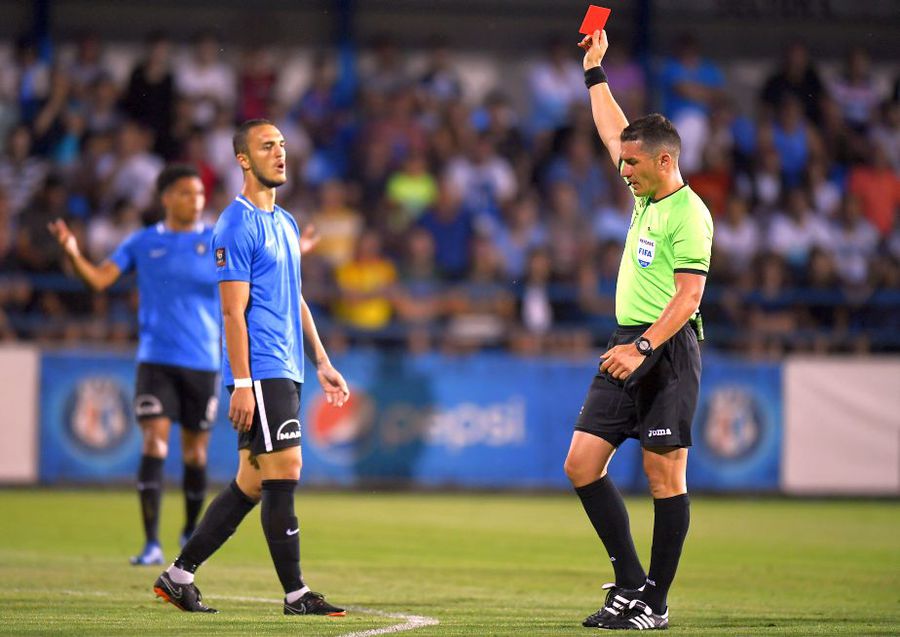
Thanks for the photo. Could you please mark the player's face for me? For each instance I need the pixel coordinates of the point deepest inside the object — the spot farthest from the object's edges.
(184, 200)
(640, 169)
(267, 157)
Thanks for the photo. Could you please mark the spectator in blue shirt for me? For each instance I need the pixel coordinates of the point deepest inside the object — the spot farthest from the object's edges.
(691, 84)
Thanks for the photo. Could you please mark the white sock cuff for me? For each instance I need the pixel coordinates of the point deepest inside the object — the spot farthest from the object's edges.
(179, 575)
(293, 596)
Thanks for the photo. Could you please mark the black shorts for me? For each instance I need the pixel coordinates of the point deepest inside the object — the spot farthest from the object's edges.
(276, 420)
(656, 404)
(186, 396)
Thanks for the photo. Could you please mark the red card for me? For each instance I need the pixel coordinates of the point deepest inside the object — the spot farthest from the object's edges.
(594, 20)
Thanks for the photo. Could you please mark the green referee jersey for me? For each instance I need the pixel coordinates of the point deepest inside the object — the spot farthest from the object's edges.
(667, 236)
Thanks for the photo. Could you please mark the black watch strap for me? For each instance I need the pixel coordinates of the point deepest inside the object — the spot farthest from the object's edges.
(643, 346)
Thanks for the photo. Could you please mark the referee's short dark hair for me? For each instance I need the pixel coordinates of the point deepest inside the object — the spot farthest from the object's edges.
(239, 141)
(172, 173)
(654, 131)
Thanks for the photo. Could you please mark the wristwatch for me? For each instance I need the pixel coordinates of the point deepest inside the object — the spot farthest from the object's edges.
(643, 346)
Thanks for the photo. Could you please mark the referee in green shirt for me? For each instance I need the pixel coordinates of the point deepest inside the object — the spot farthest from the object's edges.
(649, 378)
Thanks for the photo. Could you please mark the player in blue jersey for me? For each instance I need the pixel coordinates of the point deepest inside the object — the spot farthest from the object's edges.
(178, 351)
(257, 255)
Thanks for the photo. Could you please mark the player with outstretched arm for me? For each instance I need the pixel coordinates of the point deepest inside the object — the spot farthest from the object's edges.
(178, 347)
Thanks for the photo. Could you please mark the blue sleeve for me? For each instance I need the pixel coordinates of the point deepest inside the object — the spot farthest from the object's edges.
(233, 243)
(123, 256)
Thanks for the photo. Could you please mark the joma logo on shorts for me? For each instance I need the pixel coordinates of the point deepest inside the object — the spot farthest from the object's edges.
(659, 432)
(288, 430)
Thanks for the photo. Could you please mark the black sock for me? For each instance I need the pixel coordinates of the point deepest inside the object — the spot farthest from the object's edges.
(194, 485)
(149, 486)
(219, 523)
(282, 531)
(672, 516)
(606, 510)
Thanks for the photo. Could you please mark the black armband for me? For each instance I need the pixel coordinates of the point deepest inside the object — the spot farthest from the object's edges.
(594, 76)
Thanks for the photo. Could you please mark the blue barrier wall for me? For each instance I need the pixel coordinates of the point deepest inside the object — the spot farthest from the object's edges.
(87, 427)
(482, 421)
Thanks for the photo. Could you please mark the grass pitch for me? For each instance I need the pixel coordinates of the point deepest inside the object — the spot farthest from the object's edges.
(478, 564)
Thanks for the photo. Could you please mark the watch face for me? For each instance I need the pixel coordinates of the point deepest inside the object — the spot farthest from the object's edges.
(643, 345)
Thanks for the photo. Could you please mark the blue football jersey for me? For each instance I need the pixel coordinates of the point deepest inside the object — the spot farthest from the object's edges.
(263, 249)
(179, 300)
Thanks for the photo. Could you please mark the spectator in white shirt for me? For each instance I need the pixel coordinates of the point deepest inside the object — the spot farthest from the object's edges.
(853, 243)
(737, 237)
(206, 80)
(486, 179)
(796, 231)
(130, 171)
(21, 174)
(825, 194)
(555, 84)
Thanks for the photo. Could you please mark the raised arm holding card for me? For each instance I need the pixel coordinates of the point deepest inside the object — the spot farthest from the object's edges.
(649, 378)
(608, 117)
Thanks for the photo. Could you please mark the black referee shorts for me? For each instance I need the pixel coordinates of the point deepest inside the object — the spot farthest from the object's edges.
(656, 404)
(276, 419)
(189, 397)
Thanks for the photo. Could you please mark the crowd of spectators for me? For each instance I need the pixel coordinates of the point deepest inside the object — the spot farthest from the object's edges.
(453, 224)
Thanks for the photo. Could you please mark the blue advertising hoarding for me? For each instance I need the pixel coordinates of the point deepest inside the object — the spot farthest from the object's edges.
(487, 421)
(87, 427)
(737, 432)
(480, 421)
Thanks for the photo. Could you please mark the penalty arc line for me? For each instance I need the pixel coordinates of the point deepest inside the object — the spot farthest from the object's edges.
(411, 622)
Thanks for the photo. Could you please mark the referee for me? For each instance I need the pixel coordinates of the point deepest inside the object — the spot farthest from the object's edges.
(257, 251)
(647, 384)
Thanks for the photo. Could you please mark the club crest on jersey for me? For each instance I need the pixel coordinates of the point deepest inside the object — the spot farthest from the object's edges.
(646, 249)
(220, 257)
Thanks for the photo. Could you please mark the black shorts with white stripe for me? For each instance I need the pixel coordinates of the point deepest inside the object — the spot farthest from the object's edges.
(276, 421)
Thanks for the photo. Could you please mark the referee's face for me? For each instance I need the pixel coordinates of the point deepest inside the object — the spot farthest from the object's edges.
(640, 169)
(267, 157)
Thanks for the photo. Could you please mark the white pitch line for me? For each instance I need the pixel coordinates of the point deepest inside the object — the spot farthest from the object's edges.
(411, 622)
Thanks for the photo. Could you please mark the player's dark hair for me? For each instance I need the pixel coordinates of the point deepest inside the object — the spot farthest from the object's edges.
(239, 141)
(172, 173)
(654, 132)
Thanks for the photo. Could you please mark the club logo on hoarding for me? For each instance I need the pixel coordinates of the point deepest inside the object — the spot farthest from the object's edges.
(96, 416)
(732, 423)
(342, 434)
